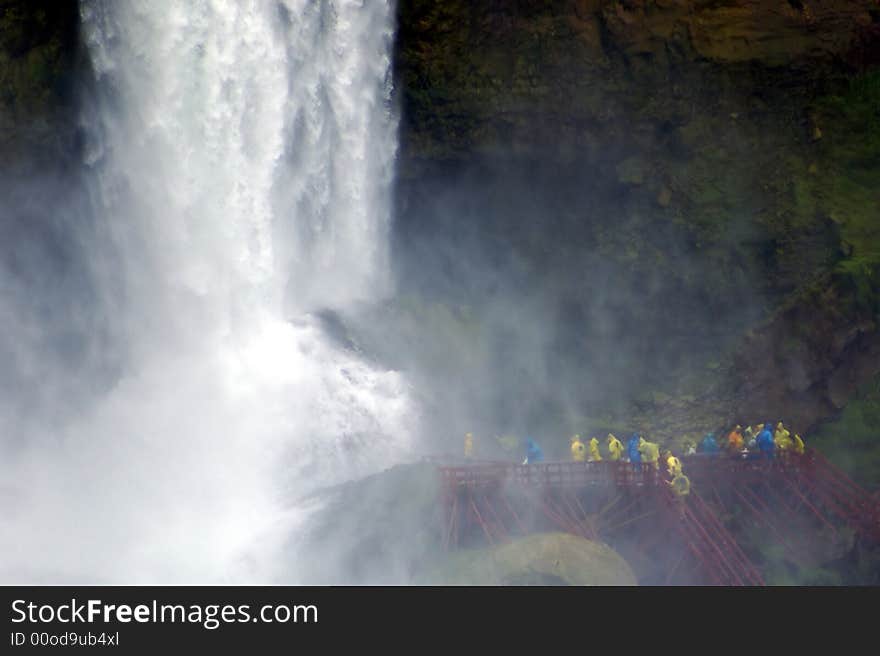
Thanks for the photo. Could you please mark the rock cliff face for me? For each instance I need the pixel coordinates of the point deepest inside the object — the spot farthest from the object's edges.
(39, 56)
(712, 160)
(492, 72)
(45, 218)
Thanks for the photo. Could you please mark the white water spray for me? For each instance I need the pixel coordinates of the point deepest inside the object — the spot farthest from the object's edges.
(243, 174)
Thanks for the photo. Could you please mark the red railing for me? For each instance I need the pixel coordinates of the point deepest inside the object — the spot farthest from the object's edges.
(552, 474)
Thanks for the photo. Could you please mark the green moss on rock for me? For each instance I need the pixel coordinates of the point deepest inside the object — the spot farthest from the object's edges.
(851, 439)
(540, 559)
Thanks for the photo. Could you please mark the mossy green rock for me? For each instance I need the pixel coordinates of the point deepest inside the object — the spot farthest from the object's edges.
(541, 559)
(850, 440)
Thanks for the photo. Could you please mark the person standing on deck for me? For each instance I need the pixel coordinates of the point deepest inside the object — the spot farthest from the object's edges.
(615, 448)
(533, 452)
(578, 450)
(595, 456)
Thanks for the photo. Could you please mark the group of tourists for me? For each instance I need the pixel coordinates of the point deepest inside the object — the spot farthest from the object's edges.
(761, 440)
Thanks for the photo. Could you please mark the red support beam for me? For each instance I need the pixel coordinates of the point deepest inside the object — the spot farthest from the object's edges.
(482, 523)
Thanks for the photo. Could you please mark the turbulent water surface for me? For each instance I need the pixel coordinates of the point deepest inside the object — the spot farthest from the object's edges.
(241, 156)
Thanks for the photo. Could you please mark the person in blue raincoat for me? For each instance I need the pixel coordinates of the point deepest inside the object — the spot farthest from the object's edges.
(765, 441)
(632, 449)
(533, 452)
(709, 445)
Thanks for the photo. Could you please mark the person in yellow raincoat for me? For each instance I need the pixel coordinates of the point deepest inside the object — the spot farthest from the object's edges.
(798, 445)
(681, 484)
(578, 450)
(615, 448)
(508, 443)
(469, 445)
(595, 456)
(673, 464)
(782, 438)
(650, 452)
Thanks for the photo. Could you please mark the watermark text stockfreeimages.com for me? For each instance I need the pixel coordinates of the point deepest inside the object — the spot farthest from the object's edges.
(210, 616)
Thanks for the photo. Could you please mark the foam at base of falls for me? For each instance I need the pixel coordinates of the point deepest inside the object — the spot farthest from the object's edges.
(195, 458)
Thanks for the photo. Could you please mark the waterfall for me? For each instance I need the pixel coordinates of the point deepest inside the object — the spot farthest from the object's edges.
(242, 156)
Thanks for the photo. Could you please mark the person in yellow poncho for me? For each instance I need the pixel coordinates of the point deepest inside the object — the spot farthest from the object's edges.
(578, 450)
(798, 445)
(469, 445)
(681, 485)
(509, 443)
(782, 438)
(595, 456)
(673, 464)
(615, 448)
(650, 452)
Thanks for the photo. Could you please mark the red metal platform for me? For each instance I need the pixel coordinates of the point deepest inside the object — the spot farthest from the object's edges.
(631, 505)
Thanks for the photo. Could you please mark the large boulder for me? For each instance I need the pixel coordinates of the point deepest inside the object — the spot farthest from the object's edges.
(540, 559)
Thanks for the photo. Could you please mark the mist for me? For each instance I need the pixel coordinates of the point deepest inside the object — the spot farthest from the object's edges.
(515, 317)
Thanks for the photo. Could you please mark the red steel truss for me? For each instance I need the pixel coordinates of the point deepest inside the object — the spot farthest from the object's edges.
(492, 501)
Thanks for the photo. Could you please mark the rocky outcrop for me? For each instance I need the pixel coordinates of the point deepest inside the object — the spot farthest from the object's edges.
(39, 58)
(810, 358)
(539, 559)
(382, 530)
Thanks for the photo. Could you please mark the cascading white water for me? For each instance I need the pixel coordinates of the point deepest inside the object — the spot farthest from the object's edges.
(243, 172)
